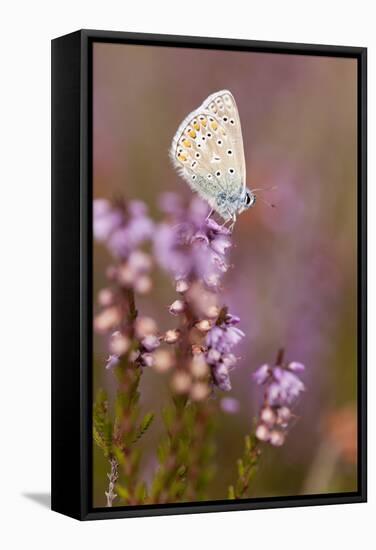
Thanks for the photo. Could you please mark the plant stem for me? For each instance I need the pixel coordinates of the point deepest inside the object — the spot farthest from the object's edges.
(247, 467)
(113, 477)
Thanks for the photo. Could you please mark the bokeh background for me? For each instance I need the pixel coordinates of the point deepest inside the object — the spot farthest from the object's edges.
(294, 277)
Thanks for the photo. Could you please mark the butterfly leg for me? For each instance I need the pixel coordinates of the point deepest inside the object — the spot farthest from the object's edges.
(231, 227)
(210, 213)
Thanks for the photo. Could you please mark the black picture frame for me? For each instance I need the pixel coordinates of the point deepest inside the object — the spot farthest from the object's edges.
(72, 273)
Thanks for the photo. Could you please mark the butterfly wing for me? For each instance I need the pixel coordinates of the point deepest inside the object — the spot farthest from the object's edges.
(207, 150)
(223, 106)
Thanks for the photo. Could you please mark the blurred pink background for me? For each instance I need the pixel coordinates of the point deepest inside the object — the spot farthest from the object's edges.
(294, 277)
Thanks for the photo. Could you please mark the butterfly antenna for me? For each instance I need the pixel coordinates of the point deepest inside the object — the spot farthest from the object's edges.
(265, 188)
(272, 205)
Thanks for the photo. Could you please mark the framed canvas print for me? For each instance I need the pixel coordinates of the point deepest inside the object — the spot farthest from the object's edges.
(209, 274)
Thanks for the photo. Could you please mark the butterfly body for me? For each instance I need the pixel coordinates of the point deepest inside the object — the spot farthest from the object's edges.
(207, 150)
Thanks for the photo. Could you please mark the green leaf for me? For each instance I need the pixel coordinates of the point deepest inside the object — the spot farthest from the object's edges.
(102, 425)
(143, 427)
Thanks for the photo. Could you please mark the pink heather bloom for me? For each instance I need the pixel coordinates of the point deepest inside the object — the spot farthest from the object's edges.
(282, 388)
(121, 227)
(190, 246)
(219, 341)
(112, 361)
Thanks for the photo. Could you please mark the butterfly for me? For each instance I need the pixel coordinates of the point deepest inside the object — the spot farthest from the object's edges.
(208, 152)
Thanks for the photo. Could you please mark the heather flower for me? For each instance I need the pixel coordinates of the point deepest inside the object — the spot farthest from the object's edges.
(282, 388)
(145, 326)
(162, 360)
(199, 391)
(119, 344)
(107, 319)
(220, 340)
(190, 246)
(123, 227)
(106, 219)
(176, 307)
(181, 382)
(171, 336)
(112, 361)
(150, 342)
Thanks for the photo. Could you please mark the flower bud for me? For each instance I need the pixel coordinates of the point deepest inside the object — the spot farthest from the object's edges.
(147, 359)
(142, 284)
(150, 342)
(176, 307)
(296, 367)
(268, 416)
(277, 438)
(163, 360)
(199, 391)
(181, 286)
(198, 366)
(262, 433)
(125, 275)
(171, 336)
(139, 261)
(105, 297)
(108, 319)
(203, 326)
(112, 361)
(119, 344)
(212, 312)
(181, 382)
(145, 326)
(284, 414)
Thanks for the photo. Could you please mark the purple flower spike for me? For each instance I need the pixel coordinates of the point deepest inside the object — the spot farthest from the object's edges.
(105, 219)
(222, 377)
(112, 361)
(261, 375)
(296, 367)
(219, 342)
(150, 342)
(191, 246)
(282, 388)
(122, 227)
